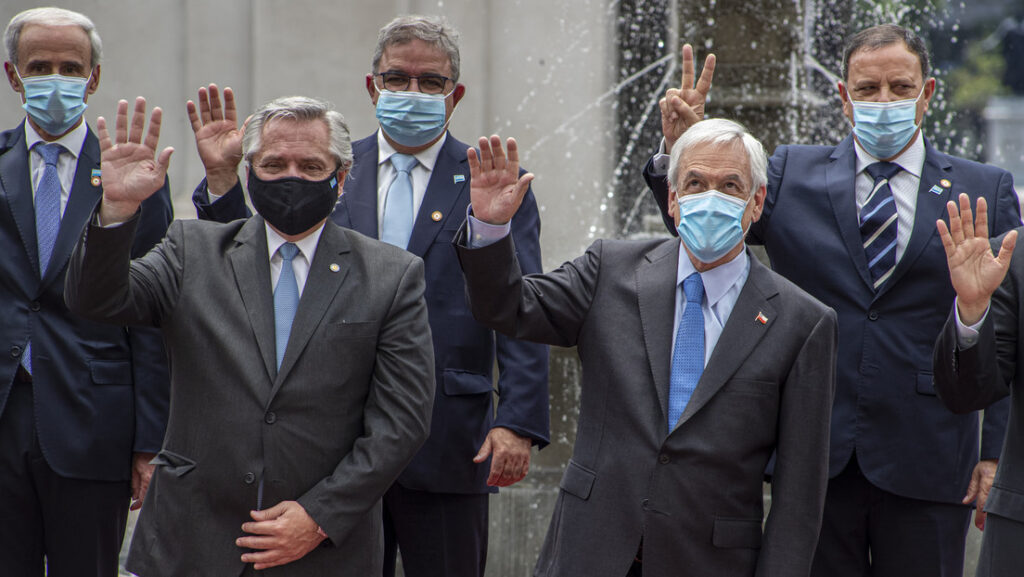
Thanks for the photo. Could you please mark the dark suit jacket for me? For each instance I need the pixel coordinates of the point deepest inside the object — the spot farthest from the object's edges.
(973, 378)
(907, 443)
(331, 430)
(464, 350)
(694, 496)
(100, 391)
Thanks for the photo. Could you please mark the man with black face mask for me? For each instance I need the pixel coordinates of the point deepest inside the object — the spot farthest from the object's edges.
(853, 224)
(82, 406)
(300, 355)
(410, 187)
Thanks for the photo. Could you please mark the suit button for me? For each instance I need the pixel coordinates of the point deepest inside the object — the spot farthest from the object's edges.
(873, 315)
(15, 351)
(663, 459)
(35, 306)
(250, 478)
(645, 505)
(270, 418)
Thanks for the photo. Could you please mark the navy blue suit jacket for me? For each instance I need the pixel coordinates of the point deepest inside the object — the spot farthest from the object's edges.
(464, 350)
(885, 407)
(100, 391)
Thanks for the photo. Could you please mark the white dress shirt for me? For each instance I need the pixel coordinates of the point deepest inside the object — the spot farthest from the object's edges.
(904, 185)
(301, 262)
(426, 159)
(67, 163)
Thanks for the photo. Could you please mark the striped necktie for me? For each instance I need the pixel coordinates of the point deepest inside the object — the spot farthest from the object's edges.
(878, 223)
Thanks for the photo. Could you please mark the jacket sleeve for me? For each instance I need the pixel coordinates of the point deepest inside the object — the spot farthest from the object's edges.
(658, 185)
(523, 404)
(229, 207)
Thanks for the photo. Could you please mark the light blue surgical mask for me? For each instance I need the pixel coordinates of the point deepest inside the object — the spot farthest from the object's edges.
(55, 102)
(885, 128)
(411, 118)
(711, 224)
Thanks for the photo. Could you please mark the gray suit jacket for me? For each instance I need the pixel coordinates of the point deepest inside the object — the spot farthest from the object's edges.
(332, 430)
(692, 496)
(973, 378)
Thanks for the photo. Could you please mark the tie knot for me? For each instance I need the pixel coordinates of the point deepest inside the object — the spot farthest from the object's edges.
(50, 152)
(885, 170)
(693, 288)
(288, 251)
(403, 162)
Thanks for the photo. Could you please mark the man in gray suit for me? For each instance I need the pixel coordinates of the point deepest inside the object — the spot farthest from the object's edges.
(292, 409)
(674, 434)
(979, 360)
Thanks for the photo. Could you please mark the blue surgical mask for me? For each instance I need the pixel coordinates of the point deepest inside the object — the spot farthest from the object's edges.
(411, 118)
(55, 102)
(711, 224)
(884, 128)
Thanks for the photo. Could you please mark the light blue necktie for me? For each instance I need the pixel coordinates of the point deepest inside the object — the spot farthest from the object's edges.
(398, 217)
(47, 217)
(286, 299)
(688, 355)
(878, 223)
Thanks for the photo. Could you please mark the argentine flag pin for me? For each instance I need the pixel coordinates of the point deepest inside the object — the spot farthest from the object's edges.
(459, 178)
(935, 189)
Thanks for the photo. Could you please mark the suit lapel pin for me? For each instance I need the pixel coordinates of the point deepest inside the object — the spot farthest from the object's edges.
(334, 267)
(459, 178)
(935, 189)
(945, 183)
(95, 178)
(761, 318)
(436, 216)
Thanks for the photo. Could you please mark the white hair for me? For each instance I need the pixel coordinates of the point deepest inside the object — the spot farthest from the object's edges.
(50, 16)
(301, 108)
(721, 131)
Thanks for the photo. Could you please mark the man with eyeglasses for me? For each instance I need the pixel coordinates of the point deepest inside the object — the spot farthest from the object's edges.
(409, 186)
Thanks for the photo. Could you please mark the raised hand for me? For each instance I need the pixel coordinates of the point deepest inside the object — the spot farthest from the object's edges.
(130, 168)
(973, 270)
(218, 137)
(683, 107)
(496, 189)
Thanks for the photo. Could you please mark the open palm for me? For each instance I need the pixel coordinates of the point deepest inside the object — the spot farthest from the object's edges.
(129, 165)
(215, 125)
(496, 189)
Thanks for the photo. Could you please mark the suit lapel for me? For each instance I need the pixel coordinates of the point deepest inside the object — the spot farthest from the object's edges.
(16, 188)
(655, 289)
(930, 207)
(360, 199)
(442, 191)
(327, 272)
(840, 175)
(740, 335)
(82, 200)
(251, 266)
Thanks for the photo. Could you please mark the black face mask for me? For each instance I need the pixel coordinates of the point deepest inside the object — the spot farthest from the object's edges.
(293, 205)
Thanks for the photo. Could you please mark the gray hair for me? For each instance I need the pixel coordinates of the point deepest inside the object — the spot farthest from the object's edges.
(300, 108)
(884, 35)
(721, 131)
(433, 30)
(51, 17)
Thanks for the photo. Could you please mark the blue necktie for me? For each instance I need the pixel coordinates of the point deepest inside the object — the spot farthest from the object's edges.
(688, 355)
(47, 217)
(398, 216)
(286, 299)
(878, 223)
(48, 203)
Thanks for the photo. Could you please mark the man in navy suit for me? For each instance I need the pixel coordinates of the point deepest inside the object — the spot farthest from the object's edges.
(436, 513)
(902, 467)
(83, 406)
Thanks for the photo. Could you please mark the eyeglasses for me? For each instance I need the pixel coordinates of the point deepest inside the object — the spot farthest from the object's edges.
(425, 83)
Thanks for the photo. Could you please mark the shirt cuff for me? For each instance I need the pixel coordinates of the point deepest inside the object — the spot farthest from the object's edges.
(660, 161)
(483, 234)
(967, 336)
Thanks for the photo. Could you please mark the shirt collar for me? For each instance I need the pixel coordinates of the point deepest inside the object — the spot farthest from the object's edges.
(307, 246)
(717, 281)
(427, 157)
(912, 159)
(72, 141)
